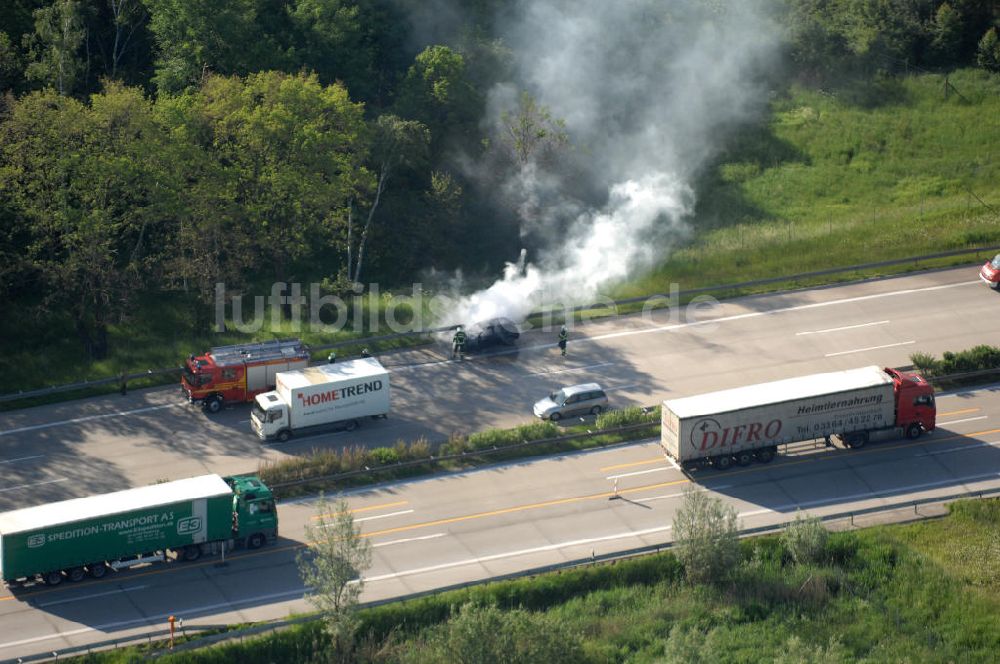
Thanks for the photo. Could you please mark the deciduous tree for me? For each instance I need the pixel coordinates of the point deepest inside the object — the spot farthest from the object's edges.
(332, 566)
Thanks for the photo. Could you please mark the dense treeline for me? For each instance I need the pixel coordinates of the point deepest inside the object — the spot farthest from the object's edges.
(168, 144)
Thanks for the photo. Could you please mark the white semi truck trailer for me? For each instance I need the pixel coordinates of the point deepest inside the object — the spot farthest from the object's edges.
(322, 398)
(745, 424)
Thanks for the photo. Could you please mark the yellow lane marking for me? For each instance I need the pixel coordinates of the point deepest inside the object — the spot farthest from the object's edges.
(520, 508)
(365, 509)
(958, 412)
(605, 469)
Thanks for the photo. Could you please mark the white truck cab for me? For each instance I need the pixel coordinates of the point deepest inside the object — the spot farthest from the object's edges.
(320, 398)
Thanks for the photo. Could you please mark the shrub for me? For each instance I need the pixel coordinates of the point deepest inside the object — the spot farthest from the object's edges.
(384, 456)
(706, 535)
(805, 539)
(626, 416)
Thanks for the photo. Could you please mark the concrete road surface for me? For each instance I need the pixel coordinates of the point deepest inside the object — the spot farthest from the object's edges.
(454, 529)
(114, 442)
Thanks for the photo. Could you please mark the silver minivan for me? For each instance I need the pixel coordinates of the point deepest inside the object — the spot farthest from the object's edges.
(584, 399)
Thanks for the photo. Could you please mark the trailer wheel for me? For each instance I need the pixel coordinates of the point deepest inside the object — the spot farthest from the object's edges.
(53, 578)
(76, 574)
(913, 431)
(213, 405)
(857, 440)
(192, 552)
(744, 458)
(765, 455)
(255, 541)
(284, 435)
(723, 462)
(97, 570)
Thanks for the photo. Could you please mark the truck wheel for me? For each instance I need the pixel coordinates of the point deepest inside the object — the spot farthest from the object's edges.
(76, 574)
(255, 541)
(53, 578)
(213, 405)
(723, 462)
(351, 425)
(192, 552)
(596, 410)
(284, 435)
(555, 417)
(766, 455)
(913, 431)
(744, 458)
(97, 570)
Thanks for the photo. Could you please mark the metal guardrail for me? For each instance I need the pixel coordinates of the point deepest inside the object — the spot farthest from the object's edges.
(116, 380)
(275, 625)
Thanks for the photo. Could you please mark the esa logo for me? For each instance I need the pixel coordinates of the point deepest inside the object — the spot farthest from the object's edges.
(189, 526)
(36, 541)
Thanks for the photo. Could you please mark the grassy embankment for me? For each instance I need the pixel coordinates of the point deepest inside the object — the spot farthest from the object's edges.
(825, 181)
(828, 181)
(921, 592)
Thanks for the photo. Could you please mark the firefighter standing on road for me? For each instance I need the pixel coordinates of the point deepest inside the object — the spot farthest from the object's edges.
(458, 344)
(563, 336)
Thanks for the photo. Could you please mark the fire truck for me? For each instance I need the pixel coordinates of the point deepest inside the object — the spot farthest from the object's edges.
(231, 374)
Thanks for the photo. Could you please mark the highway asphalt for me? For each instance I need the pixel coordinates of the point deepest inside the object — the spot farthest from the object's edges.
(452, 529)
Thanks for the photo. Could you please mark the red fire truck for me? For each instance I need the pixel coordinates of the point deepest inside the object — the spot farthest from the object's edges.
(239, 373)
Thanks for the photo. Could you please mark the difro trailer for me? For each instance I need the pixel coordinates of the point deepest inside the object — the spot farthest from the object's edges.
(749, 423)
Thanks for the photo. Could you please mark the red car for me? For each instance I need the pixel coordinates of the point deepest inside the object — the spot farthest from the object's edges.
(990, 272)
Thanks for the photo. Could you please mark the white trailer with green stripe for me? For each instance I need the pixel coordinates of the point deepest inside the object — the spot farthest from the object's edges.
(181, 520)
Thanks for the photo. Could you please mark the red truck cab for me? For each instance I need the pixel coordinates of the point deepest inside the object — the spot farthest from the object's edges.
(916, 409)
(229, 374)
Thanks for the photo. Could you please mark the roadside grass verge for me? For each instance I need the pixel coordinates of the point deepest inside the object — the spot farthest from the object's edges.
(913, 592)
(825, 183)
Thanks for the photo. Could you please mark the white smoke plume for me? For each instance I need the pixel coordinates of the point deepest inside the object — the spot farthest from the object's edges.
(645, 87)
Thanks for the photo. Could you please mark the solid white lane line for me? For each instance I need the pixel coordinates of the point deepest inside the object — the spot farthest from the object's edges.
(839, 329)
(639, 472)
(89, 418)
(679, 494)
(862, 350)
(701, 323)
(382, 516)
(968, 419)
(770, 312)
(961, 448)
(514, 554)
(408, 539)
(870, 494)
(621, 387)
(28, 486)
(155, 619)
(80, 599)
(36, 456)
(562, 371)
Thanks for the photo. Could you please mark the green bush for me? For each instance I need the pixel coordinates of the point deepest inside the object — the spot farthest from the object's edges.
(626, 416)
(977, 358)
(805, 539)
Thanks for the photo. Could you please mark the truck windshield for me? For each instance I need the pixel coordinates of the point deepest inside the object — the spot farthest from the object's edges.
(558, 397)
(194, 379)
(257, 412)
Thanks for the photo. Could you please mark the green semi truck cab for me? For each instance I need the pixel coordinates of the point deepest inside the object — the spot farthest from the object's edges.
(180, 520)
(255, 517)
